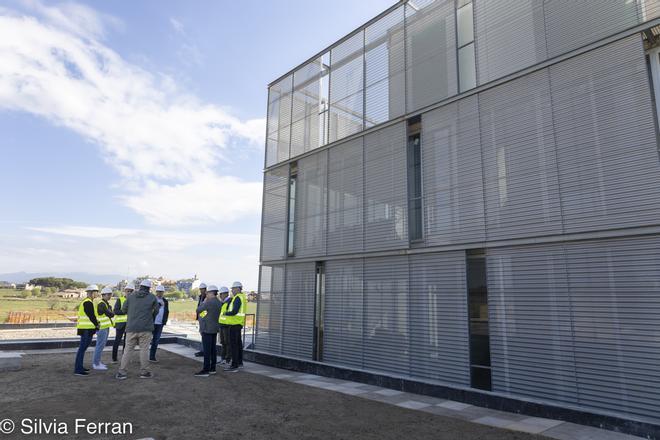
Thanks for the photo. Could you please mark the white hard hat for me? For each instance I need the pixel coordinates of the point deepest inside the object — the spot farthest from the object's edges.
(146, 283)
(202, 286)
(223, 289)
(91, 288)
(236, 284)
(129, 286)
(212, 288)
(106, 290)
(160, 288)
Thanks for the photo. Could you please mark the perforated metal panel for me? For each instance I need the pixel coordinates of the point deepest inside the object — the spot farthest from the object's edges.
(452, 178)
(531, 341)
(510, 36)
(615, 290)
(606, 139)
(344, 320)
(306, 107)
(386, 315)
(279, 121)
(439, 339)
(346, 198)
(430, 52)
(273, 228)
(571, 24)
(385, 68)
(310, 222)
(520, 167)
(298, 313)
(386, 215)
(347, 87)
(270, 309)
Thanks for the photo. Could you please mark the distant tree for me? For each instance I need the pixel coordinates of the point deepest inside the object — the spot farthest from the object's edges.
(58, 283)
(175, 294)
(46, 291)
(36, 291)
(52, 304)
(194, 293)
(25, 293)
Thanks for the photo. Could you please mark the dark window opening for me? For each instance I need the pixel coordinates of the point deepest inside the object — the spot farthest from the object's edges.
(319, 304)
(415, 229)
(291, 223)
(480, 368)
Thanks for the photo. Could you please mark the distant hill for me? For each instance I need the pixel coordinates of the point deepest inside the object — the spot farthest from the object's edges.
(24, 277)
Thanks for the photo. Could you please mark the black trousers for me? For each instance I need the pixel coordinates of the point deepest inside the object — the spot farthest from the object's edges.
(209, 341)
(224, 342)
(120, 337)
(236, 345)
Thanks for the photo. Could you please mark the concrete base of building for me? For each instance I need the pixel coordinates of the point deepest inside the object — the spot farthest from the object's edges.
(466, 395)
(10, 361)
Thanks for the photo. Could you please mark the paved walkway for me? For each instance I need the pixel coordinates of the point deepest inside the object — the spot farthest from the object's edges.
(535, 425)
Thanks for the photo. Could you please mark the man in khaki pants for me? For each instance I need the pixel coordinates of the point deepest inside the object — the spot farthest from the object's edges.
(140, 308)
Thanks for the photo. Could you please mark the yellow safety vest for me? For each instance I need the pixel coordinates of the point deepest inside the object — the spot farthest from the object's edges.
(239, 318)
(223, 319)
(104, 320)
(121, 318)
(83, 320)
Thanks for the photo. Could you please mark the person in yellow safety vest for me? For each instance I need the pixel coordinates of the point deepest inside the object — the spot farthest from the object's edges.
(225, 353)
(235, 318)
(86, 325)
(104, 315)
(120, 321)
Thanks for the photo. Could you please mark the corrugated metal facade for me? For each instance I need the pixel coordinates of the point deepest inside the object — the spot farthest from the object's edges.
(540, 172)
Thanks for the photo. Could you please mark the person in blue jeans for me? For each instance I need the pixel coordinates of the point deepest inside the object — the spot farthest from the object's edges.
(87, 324)
(159, 321)
(104, 315)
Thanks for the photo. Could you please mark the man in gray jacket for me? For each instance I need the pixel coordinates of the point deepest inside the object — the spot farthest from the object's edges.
(141, 307)
(209, 315)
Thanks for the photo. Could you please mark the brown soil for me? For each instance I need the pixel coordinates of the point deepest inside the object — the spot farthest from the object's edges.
(239, 406)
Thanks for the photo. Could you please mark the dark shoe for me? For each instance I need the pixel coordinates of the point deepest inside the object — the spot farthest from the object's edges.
(81, 373)
(146, 375)
(230, 369)
(86, 370)
(212, 372)
(199, 354)
(240, 365)
(154, 360)
(202, 374)
(121, 376)
(114, 361)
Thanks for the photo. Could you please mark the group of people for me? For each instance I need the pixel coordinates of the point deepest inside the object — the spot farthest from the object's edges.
(139, 316)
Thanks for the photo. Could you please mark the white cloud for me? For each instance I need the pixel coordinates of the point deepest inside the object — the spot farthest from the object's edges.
(165, 143)
(216, 257)
(177, 26)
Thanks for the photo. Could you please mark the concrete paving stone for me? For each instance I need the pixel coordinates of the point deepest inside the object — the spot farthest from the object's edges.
(571, 431)
(281, 376)
(456, 406)
(352, 391)
(309, 376)
(534, 425)
(498, 422)
(413, 404)
(314, 383)
(388, 392)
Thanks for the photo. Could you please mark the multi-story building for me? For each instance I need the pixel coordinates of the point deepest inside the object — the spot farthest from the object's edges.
(466, 193)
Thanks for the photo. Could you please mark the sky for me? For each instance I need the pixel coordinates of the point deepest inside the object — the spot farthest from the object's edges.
(132, 132)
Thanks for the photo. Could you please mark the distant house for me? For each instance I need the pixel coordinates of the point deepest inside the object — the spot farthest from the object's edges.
(71, 293)
(188, 284)
(25, 286)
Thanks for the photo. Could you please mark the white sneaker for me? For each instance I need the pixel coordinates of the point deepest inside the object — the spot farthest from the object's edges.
(99, 367)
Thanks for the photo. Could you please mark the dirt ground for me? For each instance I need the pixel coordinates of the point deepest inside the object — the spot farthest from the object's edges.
(175, 405)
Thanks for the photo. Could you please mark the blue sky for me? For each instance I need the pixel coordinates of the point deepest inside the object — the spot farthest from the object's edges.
(132, 132)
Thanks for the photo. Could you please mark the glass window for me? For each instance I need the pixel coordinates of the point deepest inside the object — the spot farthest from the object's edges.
(465, 25)
(466, 68)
